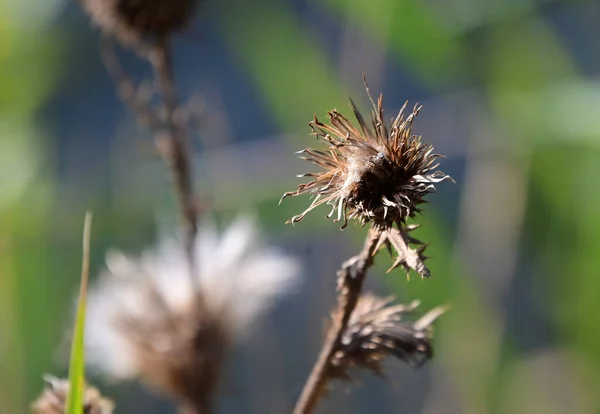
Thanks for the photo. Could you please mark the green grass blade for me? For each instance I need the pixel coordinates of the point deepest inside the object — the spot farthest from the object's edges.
(77, 364)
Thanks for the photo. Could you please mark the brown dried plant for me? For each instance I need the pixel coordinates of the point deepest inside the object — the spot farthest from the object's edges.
(147, 322)
(376, 330)
(53, 399)
(134, 21)
(179, 352)
(147, 26)
(379, 174)
(375, 174)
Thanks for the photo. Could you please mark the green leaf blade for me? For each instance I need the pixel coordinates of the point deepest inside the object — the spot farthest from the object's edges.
(77, 363)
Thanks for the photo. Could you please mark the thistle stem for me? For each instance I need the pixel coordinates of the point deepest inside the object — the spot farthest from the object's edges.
(169, 124)
(176, 154)
(350, 281)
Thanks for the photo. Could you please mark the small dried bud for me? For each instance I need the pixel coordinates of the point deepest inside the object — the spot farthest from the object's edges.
(131, 21)
(54, 397)
(149, 320)
(376, 173)
(376, 331)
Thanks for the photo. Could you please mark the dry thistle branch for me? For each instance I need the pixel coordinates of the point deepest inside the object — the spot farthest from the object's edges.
(168, 127)
(167, 124)
(377, 174)
(350, 280)
(365, 329)
(176, 153)
(179, 350)
(135, 97)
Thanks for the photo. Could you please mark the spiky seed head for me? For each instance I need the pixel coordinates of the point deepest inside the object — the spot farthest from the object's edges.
(375, 172)
(131, 21)
(147, 320)
(53, 399)
(377, 330)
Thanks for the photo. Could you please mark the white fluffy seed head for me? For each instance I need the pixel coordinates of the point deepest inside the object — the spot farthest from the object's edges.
(239, 279)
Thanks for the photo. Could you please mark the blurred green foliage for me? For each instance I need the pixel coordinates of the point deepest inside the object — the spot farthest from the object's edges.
(28, 69)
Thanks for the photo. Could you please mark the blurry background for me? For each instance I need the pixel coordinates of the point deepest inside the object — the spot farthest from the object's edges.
(511, 95)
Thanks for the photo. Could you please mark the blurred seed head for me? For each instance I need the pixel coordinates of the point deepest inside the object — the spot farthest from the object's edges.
(376, 330)
(147, 320)
(131, 21)
(54, 397)
(374, 173)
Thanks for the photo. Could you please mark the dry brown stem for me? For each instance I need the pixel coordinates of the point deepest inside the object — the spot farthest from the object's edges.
(350, 281)
(176, 152)
(135, 97)
(168, 125)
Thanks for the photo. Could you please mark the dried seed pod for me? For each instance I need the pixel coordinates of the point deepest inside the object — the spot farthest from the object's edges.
(54, 397)
(376, 330)
(131, 21)
(374, 173)
(148, 320)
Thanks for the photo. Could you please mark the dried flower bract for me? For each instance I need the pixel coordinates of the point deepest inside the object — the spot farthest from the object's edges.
(147, 319)
(131, 21)
(374, 173)
(54, 397)
(376, 330)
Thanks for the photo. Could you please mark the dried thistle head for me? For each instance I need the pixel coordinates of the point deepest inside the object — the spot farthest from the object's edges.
(374, 173)
(131, 21)
(147, 320)
(54, 397)
(377, 330)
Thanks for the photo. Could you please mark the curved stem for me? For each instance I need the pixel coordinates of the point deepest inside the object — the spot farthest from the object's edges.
(350, 281)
